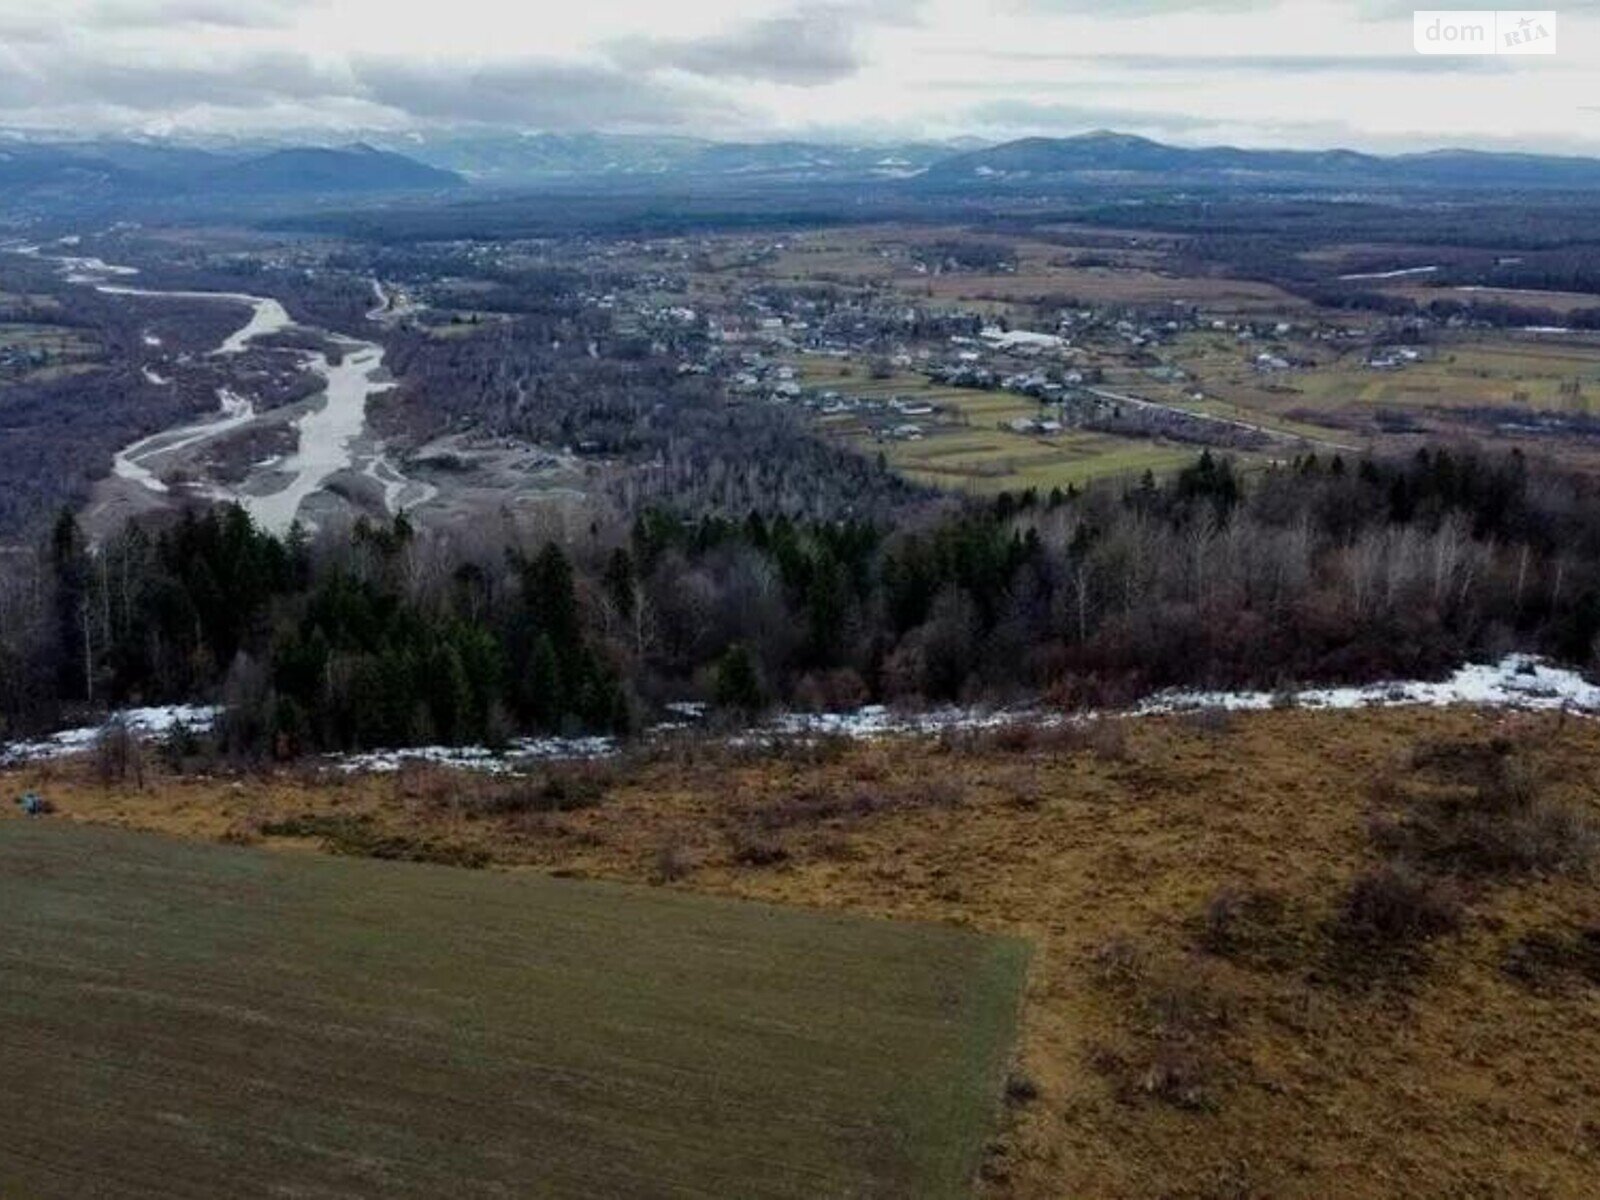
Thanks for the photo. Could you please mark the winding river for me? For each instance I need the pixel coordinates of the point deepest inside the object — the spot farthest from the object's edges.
(331, 434)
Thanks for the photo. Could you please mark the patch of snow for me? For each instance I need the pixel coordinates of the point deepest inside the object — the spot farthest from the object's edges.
(1518, 681)
(144, 722)
(481, 758)
(876, 721)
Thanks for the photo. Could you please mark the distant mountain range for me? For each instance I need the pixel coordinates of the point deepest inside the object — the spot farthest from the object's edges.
(511, 160)
(42, 173)
(517, 159)
(1104, 157)
(155, 171)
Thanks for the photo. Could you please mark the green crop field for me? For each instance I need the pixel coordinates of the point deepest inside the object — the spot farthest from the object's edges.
(968, 447)
(181, 1020)
(1527, 374)
(989, 461)
(1490, 371)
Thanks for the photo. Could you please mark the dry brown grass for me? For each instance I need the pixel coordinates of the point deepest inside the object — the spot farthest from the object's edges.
(1181, 881)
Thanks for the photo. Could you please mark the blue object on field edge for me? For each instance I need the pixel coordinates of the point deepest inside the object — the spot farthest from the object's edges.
(34, 805)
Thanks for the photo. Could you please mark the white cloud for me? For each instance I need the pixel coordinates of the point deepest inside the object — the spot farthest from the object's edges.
(170, 14)
(1294, 72)
(806, 49)
(534, 93)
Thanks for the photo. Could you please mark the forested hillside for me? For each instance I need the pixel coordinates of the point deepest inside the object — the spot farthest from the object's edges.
(1321, 570)
(558, 374)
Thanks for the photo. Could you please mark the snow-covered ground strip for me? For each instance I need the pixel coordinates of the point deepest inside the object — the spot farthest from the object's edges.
(1519, 681)
(481, 758)
(876, 721)
(146, 722)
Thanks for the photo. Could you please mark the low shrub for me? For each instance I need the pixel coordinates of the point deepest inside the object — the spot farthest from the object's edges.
(560, 791)
(807, 750)
(1103, 737)
(1119, 961)
(821, 804)
(1026, 794)
(428, 782)
(1505, 826)
(564, 789)
(1392, 905)
(1478, 808)
(1178, 1075)
(1014, 737)
(1385, 919)
(119, 756)
(1462, 762)
(1210, 722)
(360, 837)
(184, 752)
(1021, 1089)
(1176, 1016)
(1248, 925)
(1183, 998)
(1107, 739)
(939, 791)
(672, 862)
(756, 847)
(1551, 958)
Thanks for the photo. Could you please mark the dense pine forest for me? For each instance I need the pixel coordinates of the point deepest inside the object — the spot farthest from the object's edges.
(1320, 569)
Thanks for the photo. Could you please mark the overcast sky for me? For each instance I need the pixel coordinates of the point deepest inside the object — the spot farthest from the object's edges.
(1338, 72)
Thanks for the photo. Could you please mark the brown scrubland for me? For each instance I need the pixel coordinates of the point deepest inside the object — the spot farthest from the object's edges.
(1274, 954)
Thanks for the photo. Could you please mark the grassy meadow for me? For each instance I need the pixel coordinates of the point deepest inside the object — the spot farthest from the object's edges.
(184, 1020)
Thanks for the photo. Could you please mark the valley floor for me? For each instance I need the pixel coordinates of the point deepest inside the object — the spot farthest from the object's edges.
(1217, 1005)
